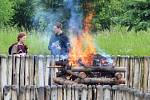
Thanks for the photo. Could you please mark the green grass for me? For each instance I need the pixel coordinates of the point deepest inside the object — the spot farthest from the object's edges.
(36, 42)
(121, 42)
(116, 42)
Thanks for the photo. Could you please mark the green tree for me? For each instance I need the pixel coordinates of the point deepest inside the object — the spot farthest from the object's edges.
(136, 15)
(6, 11)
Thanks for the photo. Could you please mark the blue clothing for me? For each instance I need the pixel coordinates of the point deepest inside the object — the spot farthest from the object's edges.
(59, 45)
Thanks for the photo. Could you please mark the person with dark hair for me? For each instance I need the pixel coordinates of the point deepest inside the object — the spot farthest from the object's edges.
(59, 42)
(19, 48)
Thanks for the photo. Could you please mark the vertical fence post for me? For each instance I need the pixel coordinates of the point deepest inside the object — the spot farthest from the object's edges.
(22, 93)
(89, 93)
(148, 74)
(60, 93)
(31, 70)
(33, 92)
(14, 92)
(145, 79)
(9, 78)
(41, 71)
(22, 71)
(3, 72)
(40, 94)
(27, 71)
(54, 93)
(52, 70)
(99, 92)
(69, 92)
(47, 70)
(47, 92)
(17, 71)
(76, 92)
(7, 93)
(27, 94)
(147, 96)
(107, 92)
(84, 93)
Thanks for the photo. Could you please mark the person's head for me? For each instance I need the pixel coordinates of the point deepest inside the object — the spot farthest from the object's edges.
(21, 37)
(57, 28)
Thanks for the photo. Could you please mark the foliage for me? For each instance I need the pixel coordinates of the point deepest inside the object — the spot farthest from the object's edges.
(23, 13)
(6, 11)
(136, 15)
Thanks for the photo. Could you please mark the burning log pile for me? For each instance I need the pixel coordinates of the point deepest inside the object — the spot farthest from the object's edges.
(99, 73)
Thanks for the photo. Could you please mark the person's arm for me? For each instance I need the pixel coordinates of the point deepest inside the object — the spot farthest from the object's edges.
(14, 50)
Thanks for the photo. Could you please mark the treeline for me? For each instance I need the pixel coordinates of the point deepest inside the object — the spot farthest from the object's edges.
(134, 14)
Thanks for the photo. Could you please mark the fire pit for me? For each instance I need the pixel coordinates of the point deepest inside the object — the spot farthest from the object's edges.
(99, 72)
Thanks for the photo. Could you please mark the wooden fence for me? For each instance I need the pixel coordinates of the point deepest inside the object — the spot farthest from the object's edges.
(73, 93)
(32, 70)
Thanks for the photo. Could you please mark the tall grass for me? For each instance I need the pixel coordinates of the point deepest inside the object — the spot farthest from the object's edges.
(120, 42)
(115, 42)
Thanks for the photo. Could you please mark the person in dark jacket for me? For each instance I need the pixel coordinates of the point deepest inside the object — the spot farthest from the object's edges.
(59, 42)
(19, 48)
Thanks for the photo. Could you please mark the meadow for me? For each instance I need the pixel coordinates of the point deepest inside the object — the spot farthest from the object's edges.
(117, 41)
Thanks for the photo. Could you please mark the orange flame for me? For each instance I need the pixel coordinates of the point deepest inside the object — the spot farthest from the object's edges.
(82, 46)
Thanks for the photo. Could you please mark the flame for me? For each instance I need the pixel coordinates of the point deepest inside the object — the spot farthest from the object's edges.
(83, 48)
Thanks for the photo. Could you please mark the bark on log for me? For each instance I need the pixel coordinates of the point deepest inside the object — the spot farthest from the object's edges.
(62, 81)
(98, 81)
(99, 69)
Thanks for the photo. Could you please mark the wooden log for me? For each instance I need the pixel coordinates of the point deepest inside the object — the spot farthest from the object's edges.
(69, 92)
(41, 71)
(107, 93)
(60, 93)
(100, 92)
(7, 93)
(47, 92)
(41, 94)
(75, 74)
(22, 71)
(98, 69)
(62, 81)
(14, 92)
(27, 92)
(22, 93)
(84, 93)
(27, 71)
(3, 73)
(31, 70)
(54, 93)
(9, 78)
(89, 93)
(33, 92)
(97, 81)
(148, 75)
(47, 70)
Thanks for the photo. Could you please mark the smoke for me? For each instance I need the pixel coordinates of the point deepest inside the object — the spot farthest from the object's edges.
(44, 18)
(76, 15)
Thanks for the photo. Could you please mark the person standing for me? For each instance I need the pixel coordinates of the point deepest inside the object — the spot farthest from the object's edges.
(19, 48)
(59, 43)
